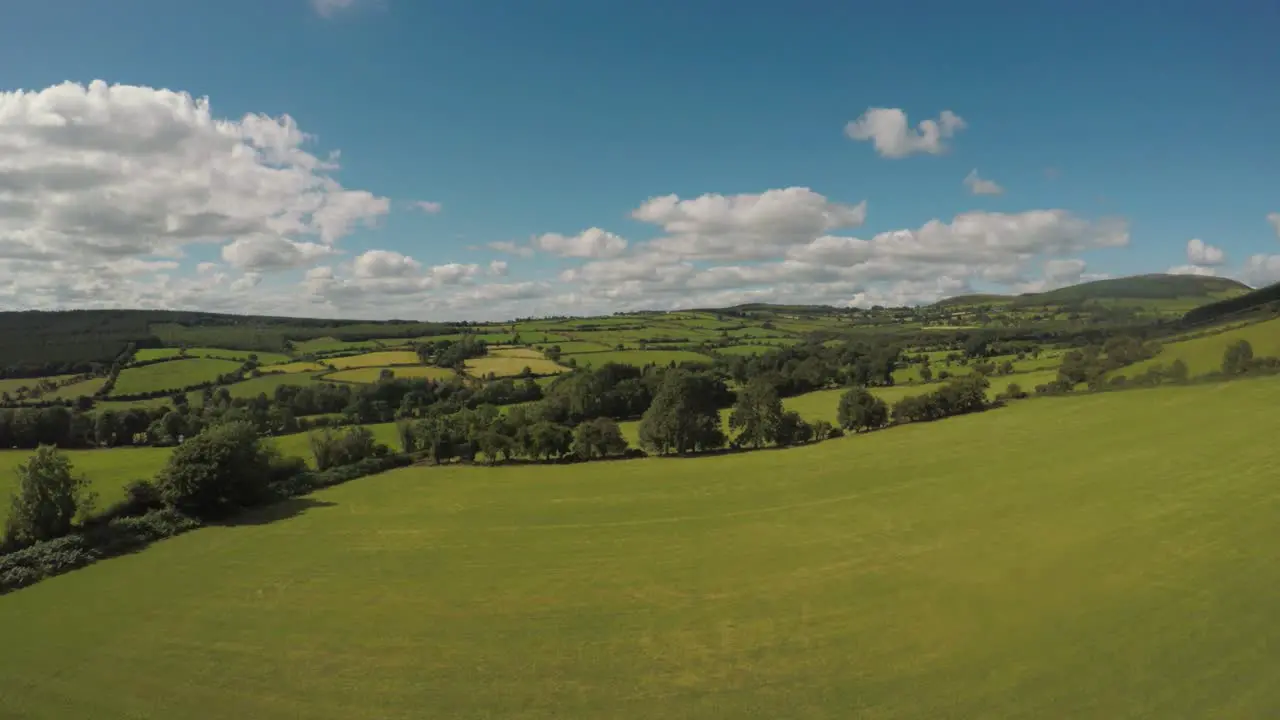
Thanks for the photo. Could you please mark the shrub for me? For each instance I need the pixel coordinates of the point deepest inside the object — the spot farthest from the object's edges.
(223, 468)
(343, 447)
(597, 438)
(47, 499)
(860, 410)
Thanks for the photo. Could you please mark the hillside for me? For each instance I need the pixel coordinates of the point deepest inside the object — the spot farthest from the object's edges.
(1262, 299)
(1153, 287)
(856, 578)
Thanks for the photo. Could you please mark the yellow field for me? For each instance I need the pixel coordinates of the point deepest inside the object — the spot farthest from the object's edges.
(403, 372)
(511, 366)
(295, 367)
(517, 352)
(375, 359)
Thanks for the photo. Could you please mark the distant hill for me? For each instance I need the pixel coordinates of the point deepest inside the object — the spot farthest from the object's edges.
(1262, 299)
(1137, 287)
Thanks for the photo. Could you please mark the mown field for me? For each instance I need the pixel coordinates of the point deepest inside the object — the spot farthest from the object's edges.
(1003, 573)
(171, 374)
(108, 470)
(375, 359)
(511, 366)
(638, 358)
(371, 374)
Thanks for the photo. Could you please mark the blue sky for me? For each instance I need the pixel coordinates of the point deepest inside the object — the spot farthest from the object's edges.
(1117, 133)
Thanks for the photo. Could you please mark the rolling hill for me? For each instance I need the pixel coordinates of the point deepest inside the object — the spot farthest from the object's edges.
(1265, 298)
(1153, 287)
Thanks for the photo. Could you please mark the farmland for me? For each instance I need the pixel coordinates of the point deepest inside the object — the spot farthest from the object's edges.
(375, 359)
(511, 366)
(1203, 354)
(638, 358)
(108, 471)
(856, 577)
(371, 374)
(171, 374)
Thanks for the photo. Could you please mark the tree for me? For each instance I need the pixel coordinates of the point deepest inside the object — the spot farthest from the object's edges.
(792, 429)
(1237, 358)
(220, 469)
(47, 499)
(684, 416)
(860, 410)
(756, 413)
(1178, 371)
(597, 438)
(926, 373)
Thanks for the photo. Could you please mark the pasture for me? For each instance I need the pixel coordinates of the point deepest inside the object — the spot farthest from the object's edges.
(375, 359)
(301, 366)
(264, 358)
(299, 444)
(75, 390)
(511, 366)
(13, 385)
(638, 358)
(108, 471)
(1004, 573)
(578, 346)
(1204, 354)
(171, 375)
(403, 372)
(746, 349)
(253, 387)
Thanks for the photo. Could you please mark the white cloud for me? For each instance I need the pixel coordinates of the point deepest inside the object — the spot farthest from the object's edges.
(105, 172)
(745, 226)
(1193, 270)
(1274, 219)
(1203, 254)
(979, 186)
(510, 248)
(272, 252)
(893, 137)
(429, 207)
(1262, 270)
(590, 243)
(453, 273)
(498, 268)
(384, 263)
(247, 281)
(206, 267)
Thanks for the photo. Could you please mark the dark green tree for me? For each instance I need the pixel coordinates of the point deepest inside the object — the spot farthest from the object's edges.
(684, 416)
(860, 410)
(598, 438)
(222, 468)
(756, 413)
(1237, 358)
(47, 498)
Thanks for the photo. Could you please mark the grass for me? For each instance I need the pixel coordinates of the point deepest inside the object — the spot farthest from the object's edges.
(329, 344)
(746, 349)
(376, 359)
(171, 375)
(578, 346)
(253, 387)
(75, 390)
(108, 471)
(264, 358)
(517, 352)
(370, 374)
(295, 367)
(1005, 572)
(1204, 354)
(511, 366)
(638, 358)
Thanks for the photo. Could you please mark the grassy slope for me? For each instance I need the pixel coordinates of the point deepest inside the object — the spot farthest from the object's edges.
(511, 366)
(639, 358)
(376, 359)
(108, 470)
(1204, 354)
(371, 374)
(1004, 573)
(170, 375)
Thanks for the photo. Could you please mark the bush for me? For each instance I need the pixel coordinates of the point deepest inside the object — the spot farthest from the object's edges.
(221, 469)
(860, 410)
(344, 447)
(47, 500)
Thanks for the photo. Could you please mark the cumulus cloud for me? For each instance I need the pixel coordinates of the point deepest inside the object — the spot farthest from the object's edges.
(745, 226)
(980, 186)
(384, 263)
(1260, 270)
(427, 206)
(330, 8)
(1203, 254)
(590, 243)
(1274, 219)
(1193, 270)
(98, 172)
(511, 248)
(248, 281)
(893, 137)
(498, 268)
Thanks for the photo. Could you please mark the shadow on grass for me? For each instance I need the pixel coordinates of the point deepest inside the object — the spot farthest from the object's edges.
(283, 510)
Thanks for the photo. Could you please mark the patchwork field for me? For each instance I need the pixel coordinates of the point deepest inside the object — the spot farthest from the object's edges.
(375, 359)
(171, 375)
(1003, 573)
(511, 366)
(638, 358)
(253, 387)
(403, 372)
(12, 385)
(295, 367)
(746, 349)
(517, 352)
(264, 358)
(299, 444)
(577, 346)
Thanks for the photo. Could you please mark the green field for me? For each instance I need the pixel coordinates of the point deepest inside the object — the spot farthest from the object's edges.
(264, 358)
(746, 349)
(1204, 354)
(375, 359)
(12, 385)
(171, 375)
(517, 352)
(638, 358)
(511, 366)
(328, 344)
(299, 444)
(108, 471)
(370, 374)
(1005, 572)
(267, 384)
(75, 390)
(295, 367)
